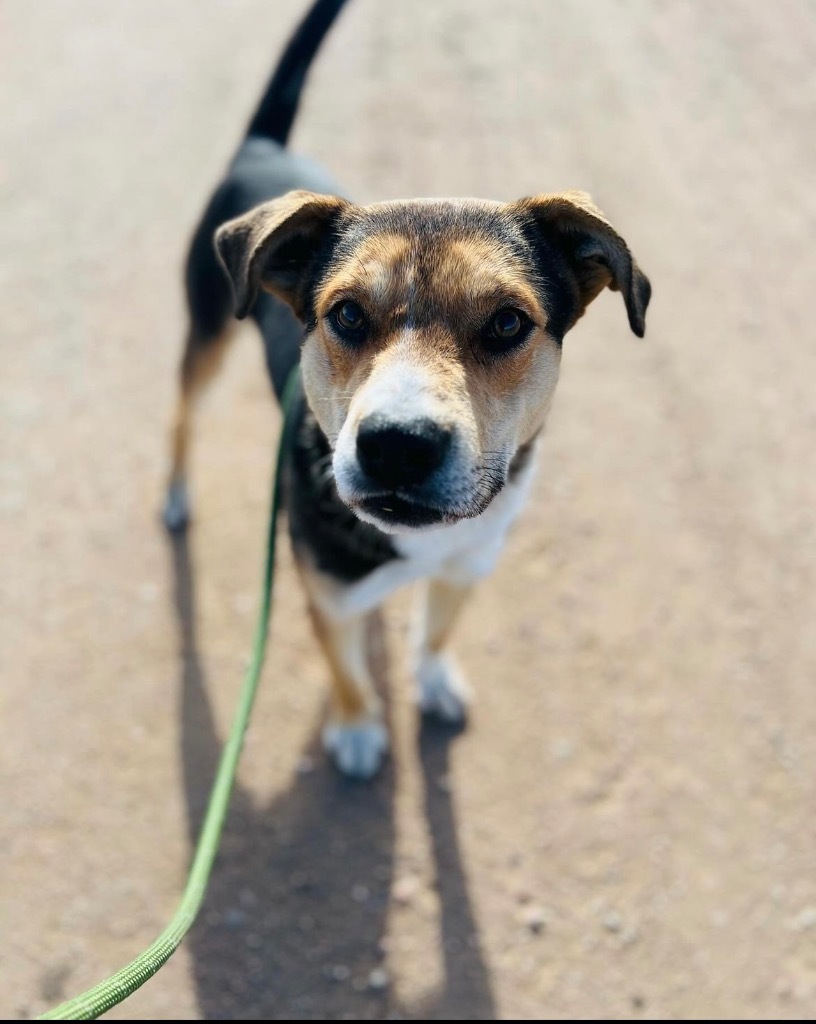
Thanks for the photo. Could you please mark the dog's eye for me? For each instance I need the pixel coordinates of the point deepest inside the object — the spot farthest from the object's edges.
(505, 324)
(508, 328)
(348, 318)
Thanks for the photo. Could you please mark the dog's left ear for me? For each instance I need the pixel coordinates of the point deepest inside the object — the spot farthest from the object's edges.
(273, 247)
(597, 255)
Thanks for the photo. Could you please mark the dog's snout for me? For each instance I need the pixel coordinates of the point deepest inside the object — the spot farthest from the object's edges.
(396, 455)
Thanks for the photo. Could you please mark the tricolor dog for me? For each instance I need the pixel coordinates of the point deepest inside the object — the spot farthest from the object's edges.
(429, 334)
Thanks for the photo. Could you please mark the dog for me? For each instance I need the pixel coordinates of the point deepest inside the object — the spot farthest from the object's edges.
(429, 335)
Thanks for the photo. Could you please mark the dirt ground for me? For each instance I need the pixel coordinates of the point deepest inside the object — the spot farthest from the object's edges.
(628, 827)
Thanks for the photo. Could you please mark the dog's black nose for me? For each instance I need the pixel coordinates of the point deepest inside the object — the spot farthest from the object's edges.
(397, 455)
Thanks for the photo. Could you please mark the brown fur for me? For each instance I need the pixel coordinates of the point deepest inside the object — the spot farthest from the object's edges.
(354, 697)
(444, 601)
(200, 362)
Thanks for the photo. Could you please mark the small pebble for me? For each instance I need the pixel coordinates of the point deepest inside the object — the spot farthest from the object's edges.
(562, 749)
(148, 592)
(612, 921)
(378, 979)
(405, 890)
(234, 918)
(535, 919)
(247, 898)
(360, 893)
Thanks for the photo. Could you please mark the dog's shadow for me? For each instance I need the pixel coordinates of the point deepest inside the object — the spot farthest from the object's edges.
(294, 920)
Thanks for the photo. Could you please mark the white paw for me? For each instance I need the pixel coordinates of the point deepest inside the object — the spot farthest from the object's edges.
(357, 750)
(443, 690)
(176, 513)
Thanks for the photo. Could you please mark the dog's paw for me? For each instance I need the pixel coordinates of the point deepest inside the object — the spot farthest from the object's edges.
(443, 690)
(357, 750)
(176, 511)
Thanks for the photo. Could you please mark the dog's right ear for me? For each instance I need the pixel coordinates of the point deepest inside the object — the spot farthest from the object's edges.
(274, 245)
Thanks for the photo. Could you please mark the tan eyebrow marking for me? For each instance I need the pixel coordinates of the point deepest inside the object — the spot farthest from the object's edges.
(378, 270)
(401, 279)
(476, 270)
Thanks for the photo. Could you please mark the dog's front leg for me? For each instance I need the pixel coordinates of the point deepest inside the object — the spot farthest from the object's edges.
(442, 689)
(355, 734)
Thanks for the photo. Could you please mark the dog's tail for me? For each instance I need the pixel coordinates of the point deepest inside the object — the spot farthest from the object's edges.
(276, 113)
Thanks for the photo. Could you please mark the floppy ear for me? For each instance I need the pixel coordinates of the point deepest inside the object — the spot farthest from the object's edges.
(273, 246)
(597, 255)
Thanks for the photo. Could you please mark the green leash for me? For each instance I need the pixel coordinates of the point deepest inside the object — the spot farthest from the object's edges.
(102, 997)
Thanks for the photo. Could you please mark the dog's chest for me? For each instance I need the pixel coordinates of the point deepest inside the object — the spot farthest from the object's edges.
(460, 554)
(470, 547)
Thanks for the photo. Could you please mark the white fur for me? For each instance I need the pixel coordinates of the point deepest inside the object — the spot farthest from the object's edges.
(442, 689)
(358, 749)
(461, 553)
(404, 391)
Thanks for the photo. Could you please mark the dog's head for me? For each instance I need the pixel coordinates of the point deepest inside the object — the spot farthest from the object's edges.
(433, 332)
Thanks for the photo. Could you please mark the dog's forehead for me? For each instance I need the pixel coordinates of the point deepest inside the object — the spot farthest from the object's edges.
(426, 225)
(435, 254)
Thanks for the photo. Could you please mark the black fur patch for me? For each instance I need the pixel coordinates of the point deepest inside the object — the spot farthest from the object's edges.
(556, 281)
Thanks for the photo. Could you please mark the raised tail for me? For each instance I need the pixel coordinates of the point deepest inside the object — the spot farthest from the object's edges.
(276, 113)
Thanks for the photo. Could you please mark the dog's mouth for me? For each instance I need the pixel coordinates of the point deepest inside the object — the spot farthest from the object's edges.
(400, 509)
(394, 511)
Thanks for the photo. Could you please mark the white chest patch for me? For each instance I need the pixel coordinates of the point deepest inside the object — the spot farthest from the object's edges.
(462, 553)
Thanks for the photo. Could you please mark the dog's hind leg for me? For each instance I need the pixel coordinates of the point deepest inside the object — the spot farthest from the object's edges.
(201, 360)
(209, 307)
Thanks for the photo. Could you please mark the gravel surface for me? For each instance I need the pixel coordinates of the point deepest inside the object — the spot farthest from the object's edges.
(627, 828)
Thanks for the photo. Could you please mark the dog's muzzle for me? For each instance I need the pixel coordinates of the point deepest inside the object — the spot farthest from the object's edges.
(402, 466)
